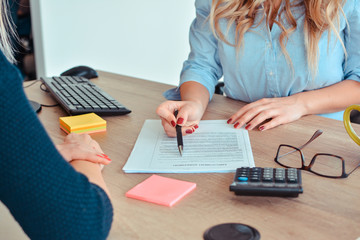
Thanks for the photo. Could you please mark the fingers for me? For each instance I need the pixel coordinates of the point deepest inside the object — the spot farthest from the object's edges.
(266, 113)
(82, 147)
(103, 159)
(166, 111)
(171, 131)
(249, 112)
(185, 110)
(91, 156)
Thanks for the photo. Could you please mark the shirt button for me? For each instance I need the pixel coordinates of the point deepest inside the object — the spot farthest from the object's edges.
(268, 45)
(271, 73)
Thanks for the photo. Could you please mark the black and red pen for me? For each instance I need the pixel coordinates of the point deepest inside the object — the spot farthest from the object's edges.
(179, 136)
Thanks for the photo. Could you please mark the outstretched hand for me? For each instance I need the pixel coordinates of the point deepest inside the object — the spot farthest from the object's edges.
(82, 147)
(277, 110)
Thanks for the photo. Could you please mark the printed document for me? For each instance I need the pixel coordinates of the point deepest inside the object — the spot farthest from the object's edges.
(214, 147)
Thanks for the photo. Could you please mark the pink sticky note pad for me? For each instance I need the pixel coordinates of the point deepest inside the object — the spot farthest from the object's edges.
(161, 190)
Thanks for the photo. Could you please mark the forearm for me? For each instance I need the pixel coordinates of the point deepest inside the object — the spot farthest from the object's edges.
(330, 99)
(92, 171)
(196, 92)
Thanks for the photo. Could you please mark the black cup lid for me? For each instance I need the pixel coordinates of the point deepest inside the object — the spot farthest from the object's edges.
(231, 231)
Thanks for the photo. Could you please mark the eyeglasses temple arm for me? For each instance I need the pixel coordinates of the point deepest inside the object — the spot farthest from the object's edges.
(353, 169)
(314, 136)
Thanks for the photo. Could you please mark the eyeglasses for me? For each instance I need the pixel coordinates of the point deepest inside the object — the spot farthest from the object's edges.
(322, 164)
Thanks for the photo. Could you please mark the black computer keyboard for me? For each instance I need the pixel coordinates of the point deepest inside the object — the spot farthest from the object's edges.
(77, 95)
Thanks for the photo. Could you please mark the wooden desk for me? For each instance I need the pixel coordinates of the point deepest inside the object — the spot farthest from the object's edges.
(328, 208)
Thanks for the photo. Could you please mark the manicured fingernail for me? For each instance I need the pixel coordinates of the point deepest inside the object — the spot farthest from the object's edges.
(196, 126)
(236, 125)
(180, 121)
(104, 156)
(228, 121)
(261, 128)
(173, 123)
(247, 126)
(189, 131)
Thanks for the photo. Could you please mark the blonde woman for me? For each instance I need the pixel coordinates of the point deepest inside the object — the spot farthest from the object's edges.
(53, 192)
(287, 59)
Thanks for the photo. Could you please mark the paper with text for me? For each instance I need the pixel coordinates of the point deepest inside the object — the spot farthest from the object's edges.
(215, 147)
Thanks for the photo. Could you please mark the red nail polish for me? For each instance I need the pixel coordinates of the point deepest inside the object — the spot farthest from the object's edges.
(189, 131)
(247, 126)
(104, 156)
(236, 125)
(180, 121)
(173, 123)
(228, 121)
(196, 126)
(261, 128)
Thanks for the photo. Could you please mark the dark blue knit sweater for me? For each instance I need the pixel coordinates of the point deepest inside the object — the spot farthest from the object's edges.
(48, 198)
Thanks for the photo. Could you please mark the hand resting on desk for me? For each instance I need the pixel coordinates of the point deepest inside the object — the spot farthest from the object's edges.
(82, 147)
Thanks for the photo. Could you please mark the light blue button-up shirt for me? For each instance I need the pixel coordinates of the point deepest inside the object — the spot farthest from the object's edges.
(260, 69)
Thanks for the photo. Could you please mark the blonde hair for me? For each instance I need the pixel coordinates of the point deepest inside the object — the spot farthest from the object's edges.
(7, 32)
(320, 16)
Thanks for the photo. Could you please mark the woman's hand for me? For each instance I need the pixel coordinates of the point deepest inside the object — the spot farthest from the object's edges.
(189, 115)
(277, 110)
(82, 147)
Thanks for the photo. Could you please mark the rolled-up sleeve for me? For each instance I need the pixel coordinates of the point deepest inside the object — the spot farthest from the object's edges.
(352, 44)
(203, 64)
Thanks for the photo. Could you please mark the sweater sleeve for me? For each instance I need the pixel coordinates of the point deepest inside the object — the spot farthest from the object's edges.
(48, 198)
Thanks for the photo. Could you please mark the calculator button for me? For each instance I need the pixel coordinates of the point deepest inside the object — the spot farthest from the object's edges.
(243, 179)
(256, 170)
(292, 180)
(267, 179)
(268, 170)
(255, 178)
(280, 179)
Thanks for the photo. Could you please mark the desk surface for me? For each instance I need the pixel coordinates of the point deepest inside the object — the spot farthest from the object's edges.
(328, 208)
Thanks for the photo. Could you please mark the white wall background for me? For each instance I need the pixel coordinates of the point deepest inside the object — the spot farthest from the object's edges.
(140, 38)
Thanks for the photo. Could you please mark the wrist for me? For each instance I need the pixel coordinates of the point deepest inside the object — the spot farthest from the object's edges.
(304, 105)
(196, 93)
(61, 148)
(198, 103)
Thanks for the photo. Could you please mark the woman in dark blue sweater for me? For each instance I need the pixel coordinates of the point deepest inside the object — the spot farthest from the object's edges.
(51, 195)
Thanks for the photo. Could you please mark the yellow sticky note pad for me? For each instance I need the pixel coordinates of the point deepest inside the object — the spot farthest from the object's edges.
(85, 123)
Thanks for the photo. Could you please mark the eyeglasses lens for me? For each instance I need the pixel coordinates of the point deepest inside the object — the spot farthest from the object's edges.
(290, 157)
(327, 165)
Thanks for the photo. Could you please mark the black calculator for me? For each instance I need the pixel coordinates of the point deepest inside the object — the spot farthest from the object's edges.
(257, 181)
